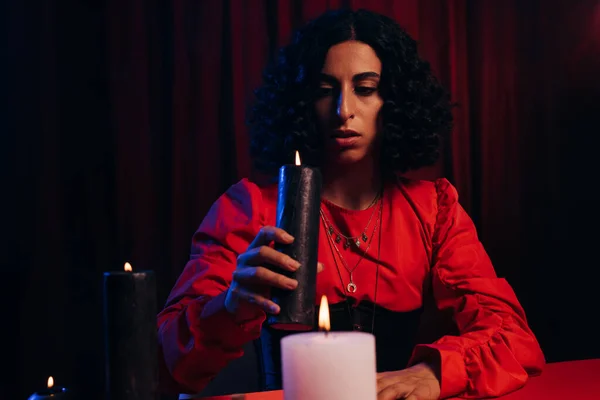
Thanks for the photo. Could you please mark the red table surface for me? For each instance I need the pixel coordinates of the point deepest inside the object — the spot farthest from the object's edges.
(563, 380)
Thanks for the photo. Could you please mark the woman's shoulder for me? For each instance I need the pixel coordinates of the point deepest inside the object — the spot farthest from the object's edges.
(244, 202)
(426, 187)
(429, 193)
(251, 193)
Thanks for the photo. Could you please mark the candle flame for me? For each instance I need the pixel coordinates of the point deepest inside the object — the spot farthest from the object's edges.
(128, 267)
(297, 158)
(324, 324)
(50, 382)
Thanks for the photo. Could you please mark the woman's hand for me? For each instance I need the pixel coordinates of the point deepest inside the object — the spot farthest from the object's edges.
(255, 272)
(419, 382)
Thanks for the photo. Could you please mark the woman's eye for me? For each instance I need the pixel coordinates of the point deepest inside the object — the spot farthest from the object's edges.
(364, 90)
(324, 91)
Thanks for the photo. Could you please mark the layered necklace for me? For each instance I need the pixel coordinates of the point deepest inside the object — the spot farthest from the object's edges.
(351, 287)
(335, 236)
(350, 240)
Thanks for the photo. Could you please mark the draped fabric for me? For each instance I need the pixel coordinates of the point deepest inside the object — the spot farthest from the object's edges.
(124, 121)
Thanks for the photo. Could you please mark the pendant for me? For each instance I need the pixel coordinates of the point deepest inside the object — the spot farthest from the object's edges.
(346, 244)
(338, 239)
(351, 287)
(331, 230)
(357, 243)
(364, 237)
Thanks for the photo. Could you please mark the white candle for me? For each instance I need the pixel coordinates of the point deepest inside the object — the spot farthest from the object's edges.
(329, 366)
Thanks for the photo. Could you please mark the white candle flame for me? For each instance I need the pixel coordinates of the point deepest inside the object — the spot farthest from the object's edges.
(128, 267)
(50, 382)
(324, 324)
(297, 158)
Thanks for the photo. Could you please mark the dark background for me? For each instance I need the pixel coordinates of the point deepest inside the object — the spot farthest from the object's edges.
(122, 121)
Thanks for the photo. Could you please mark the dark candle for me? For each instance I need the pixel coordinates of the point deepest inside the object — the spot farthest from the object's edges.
(298, 203)
(51, 393)
(130, 335)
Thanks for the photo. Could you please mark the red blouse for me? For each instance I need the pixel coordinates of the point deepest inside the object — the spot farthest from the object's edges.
(425, 235)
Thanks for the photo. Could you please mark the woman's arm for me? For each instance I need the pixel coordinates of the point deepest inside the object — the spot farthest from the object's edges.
(197, 335)
(495, 350)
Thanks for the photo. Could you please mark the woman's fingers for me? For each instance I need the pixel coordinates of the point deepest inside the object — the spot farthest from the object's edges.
(265, 255)
(252, 276)
(268, 234)
(256, 299)
(394, 392)
(268, 256)
(252, 273)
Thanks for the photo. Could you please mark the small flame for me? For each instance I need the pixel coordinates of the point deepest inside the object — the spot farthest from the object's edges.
(128, 267)
(50, 382)
(297, 158)
(324, 324)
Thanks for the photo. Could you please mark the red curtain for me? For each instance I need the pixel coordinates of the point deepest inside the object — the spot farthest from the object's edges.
(125, 121)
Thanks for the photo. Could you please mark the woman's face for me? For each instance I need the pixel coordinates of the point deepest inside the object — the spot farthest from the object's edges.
(348, 102)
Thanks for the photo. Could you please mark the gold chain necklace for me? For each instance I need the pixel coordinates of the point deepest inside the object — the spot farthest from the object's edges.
(351, 287)
(351, 240)
(347, 300)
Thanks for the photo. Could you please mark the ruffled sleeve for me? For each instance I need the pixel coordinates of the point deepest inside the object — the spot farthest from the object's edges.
(495, 350)
(197, 335)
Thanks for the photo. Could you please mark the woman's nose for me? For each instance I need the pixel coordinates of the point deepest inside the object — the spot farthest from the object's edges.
(345, 105)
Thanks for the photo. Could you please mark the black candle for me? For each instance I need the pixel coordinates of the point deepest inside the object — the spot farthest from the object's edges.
(130, 335)
(298, 203)
(51, 393)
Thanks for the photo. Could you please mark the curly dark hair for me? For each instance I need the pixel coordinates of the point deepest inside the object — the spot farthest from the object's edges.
(415, 114)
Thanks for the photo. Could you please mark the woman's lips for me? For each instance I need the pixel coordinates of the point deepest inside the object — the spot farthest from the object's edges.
(347, 141)
(345, 138)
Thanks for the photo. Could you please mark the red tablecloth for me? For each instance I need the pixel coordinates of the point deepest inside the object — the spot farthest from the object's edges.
(577, 380)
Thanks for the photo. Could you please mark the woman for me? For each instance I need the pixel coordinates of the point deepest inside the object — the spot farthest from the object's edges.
(402, 258)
